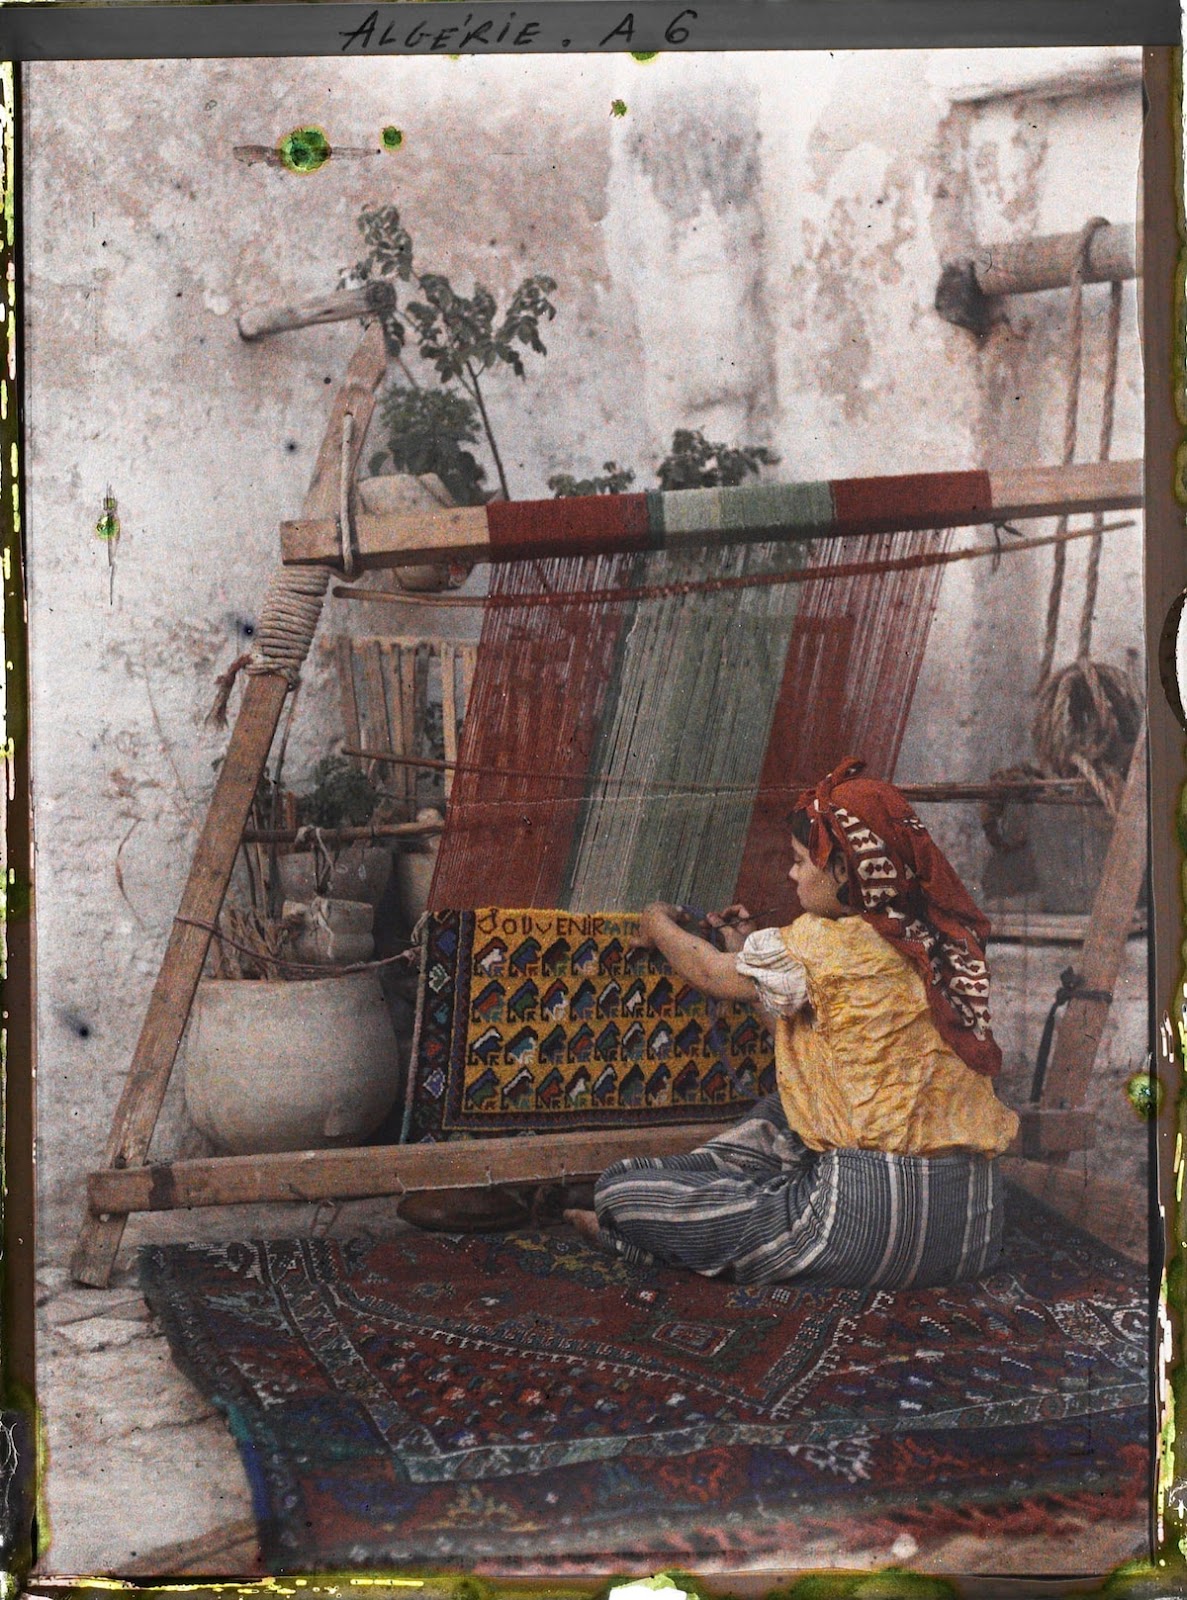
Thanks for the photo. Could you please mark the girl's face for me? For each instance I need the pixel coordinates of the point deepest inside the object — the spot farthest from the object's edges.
(816, 887)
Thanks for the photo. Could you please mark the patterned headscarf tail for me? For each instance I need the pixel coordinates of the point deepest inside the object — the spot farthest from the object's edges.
(904, 886)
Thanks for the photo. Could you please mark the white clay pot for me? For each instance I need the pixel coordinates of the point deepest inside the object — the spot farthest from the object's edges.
(330, 933)
(272, 1066)
(361, 872)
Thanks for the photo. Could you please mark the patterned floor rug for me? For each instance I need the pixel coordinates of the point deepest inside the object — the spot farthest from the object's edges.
(448, 1401)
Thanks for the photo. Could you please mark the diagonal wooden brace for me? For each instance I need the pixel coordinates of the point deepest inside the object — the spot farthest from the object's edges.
(1078, 1038)
(238, 778)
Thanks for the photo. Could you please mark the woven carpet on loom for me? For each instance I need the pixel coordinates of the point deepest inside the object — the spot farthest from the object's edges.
(545, 1021)
(445, 1401)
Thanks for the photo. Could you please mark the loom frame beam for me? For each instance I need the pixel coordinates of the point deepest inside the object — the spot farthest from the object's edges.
(970, 286)
(373, 1171)
(461, 533)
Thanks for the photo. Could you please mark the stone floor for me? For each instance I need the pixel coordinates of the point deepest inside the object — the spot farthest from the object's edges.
(141, 1475)
(125, 1430)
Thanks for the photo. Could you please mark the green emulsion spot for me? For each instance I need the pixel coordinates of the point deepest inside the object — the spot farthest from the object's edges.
(644, 55)
(618, 108)
(305, 150)
(108, 526)
(1144, 1093)
(392, 138)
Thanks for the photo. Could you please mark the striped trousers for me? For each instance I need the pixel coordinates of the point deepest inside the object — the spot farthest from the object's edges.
(755, 1205)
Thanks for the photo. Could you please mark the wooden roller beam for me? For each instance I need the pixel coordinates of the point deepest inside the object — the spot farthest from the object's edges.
(259, 321)
(463, 533)
(395, 1169)
(391, 1169)
(1027, 266)
(309, 838)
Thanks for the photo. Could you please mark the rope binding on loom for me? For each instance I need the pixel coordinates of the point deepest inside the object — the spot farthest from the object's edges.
(292, 604)
(1071, 987)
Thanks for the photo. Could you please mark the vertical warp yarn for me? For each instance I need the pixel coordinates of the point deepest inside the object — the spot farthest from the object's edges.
(619, 752)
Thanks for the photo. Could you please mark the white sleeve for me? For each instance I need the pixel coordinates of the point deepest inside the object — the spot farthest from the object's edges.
(781, 981)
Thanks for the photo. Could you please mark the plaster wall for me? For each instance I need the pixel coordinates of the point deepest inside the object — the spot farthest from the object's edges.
(752, 249)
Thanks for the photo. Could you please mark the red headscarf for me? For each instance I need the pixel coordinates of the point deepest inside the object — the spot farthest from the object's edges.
(909, 892)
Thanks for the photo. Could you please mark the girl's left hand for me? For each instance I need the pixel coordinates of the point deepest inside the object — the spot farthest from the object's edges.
(656, 916)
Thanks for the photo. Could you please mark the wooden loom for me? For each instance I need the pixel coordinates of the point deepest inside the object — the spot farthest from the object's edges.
(329, 537)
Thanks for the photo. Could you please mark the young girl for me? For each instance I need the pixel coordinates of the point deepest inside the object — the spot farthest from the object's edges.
(874, 1164)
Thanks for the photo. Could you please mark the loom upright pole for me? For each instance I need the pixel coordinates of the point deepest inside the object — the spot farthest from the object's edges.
(257, 322)
(1083, 1023)
(210, 873)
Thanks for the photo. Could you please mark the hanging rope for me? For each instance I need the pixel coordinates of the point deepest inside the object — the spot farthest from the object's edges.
(1108, 406)
(1088, 715)
(1074, 359)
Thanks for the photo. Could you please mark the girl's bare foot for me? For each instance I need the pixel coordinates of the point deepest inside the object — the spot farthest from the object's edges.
(586, 1224)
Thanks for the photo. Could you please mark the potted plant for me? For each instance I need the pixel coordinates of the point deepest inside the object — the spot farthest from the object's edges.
(460, 340)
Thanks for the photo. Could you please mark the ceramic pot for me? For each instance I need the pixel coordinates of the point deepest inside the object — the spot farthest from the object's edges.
(415, 866)
(330, 933)
(273, 1066)
(361, 872)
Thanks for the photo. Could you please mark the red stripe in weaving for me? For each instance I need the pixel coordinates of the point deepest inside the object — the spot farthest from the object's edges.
(914, 500)
(535, 708)
(590, 525)
(849, 678)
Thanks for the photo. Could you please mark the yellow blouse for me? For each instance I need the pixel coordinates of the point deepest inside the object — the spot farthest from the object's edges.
(865, 1067)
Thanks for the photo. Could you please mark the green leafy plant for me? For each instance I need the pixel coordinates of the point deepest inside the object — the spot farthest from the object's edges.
(612, 479)
(426, 429)
(341, 796)
(694, 463)
(463, 338)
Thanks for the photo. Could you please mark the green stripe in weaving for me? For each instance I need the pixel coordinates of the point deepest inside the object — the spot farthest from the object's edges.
(804, 507)
(687, 720)
(716, 514)
(690, 511)
(655, 517)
